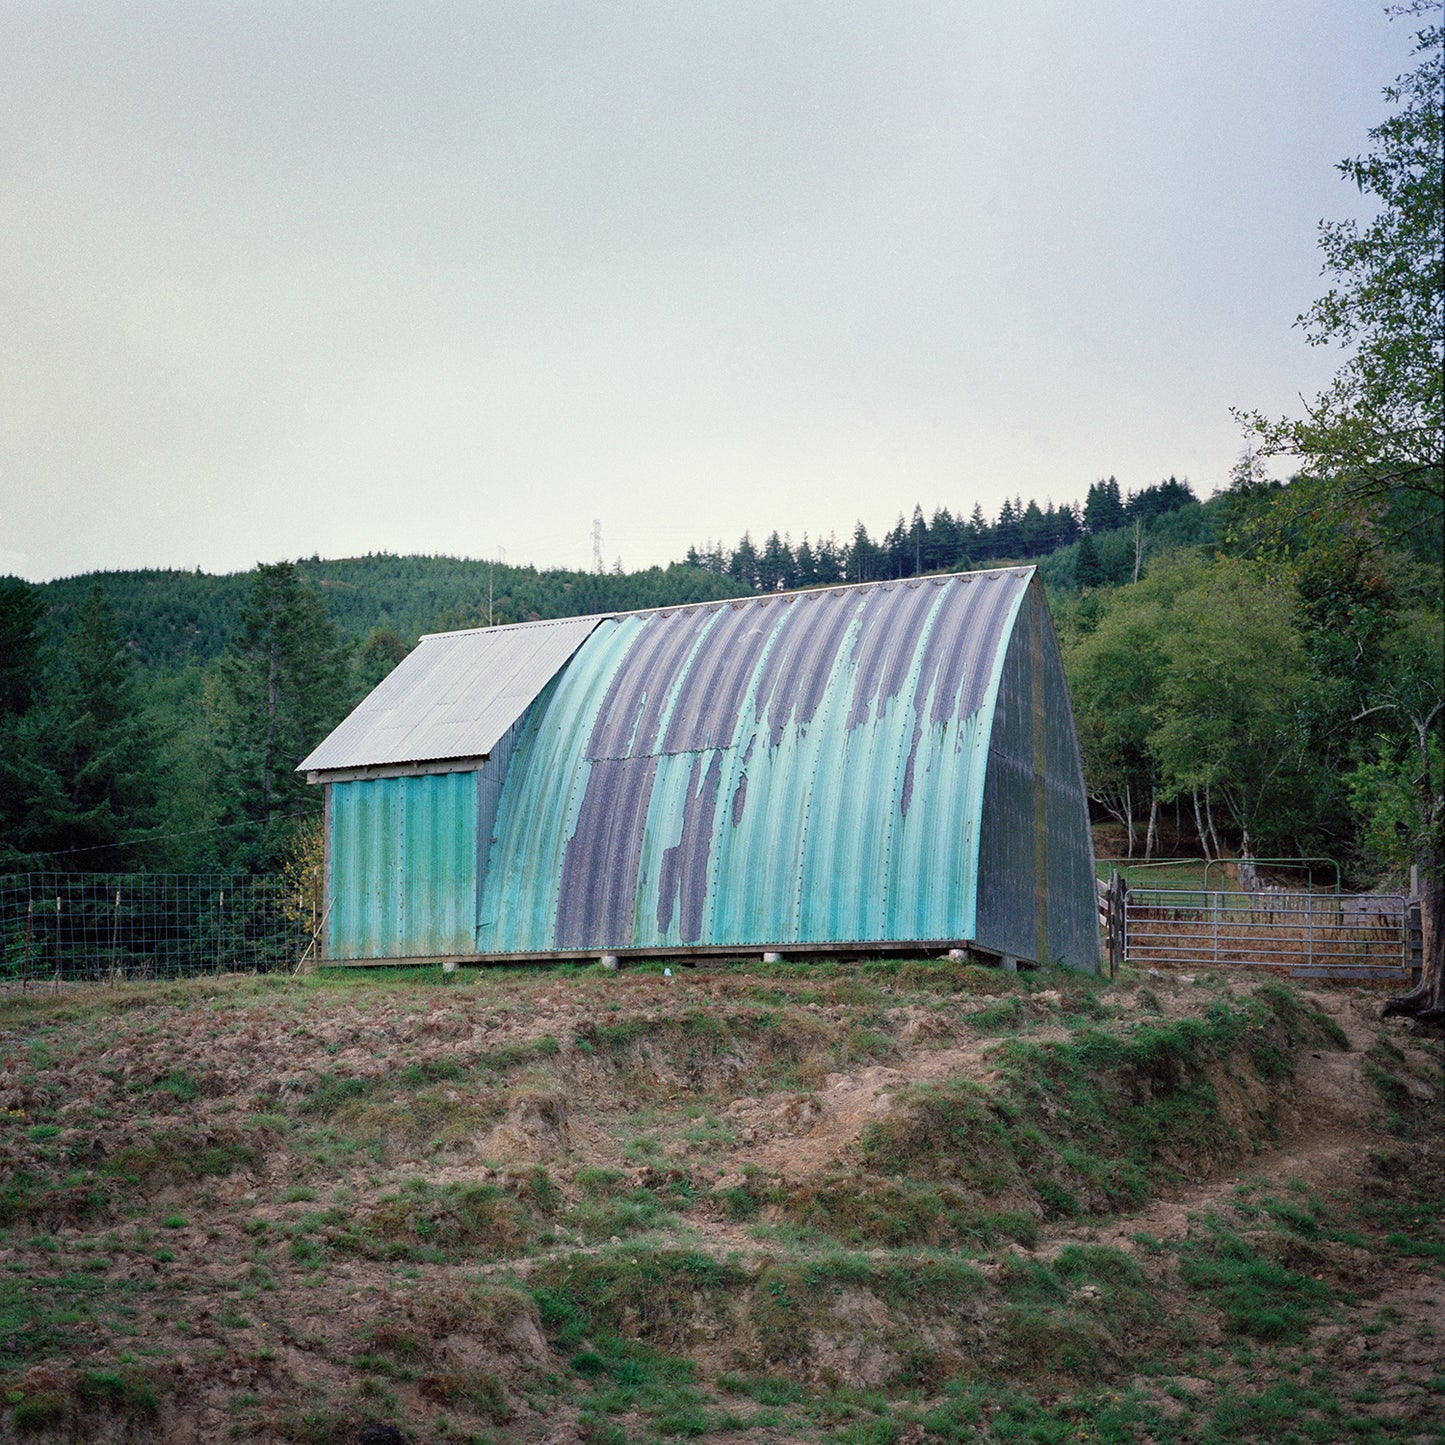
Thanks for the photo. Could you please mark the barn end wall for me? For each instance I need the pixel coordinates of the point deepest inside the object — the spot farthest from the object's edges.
(1036, 896)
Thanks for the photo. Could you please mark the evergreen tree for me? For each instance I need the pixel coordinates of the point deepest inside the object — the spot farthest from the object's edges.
(807, 568)
(917, 534)
(743, 566)
(978, 539)
(894, 547)
(1033, 531)
(863, 558)
(1006, 531)
(776, 566)
(81, 783)
(381, 652)
(941, 544)
(285, 684)
(1104, 507)
(21, 609)
(1088, 570)
(830, 562)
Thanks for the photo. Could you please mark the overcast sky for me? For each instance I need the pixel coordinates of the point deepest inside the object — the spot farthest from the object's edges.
(293, 278)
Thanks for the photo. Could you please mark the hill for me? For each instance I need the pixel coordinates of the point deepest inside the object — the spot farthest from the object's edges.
(174, 618)
(851, 1202)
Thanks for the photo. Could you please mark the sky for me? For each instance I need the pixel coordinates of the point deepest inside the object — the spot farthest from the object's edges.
(294, 278)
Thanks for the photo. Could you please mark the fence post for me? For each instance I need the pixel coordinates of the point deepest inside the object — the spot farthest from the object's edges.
(1310, 930)
(1123, 943)
(1214, 915)
(1118, 895)
(115, 939)
(220, 927)
(56, 986)
(29, 928)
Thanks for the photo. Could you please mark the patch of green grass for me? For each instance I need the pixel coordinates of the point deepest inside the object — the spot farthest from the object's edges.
(331, 1091)
(179, 1084)
(440, 1068)
(1259, 1298)
(42, 1411)
(1002, 1017)
(983, 1409)
(180, 1156)
(123, 1390)
(476, 1390)
(648, 1291)
(28, 1199)
(44, 1316)
(425, 1222)
(863, 1208)
(598, 1219)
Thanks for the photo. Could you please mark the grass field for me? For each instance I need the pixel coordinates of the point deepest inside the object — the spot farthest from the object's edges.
(865, 1202)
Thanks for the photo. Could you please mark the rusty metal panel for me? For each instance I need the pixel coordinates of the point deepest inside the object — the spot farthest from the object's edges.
(403, 866)
(453, 696)
(791, 769)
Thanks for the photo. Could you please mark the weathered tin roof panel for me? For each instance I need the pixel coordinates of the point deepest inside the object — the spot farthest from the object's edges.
(804, 768)
(453, 696)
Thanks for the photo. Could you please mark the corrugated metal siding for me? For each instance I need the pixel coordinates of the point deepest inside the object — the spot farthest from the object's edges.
(1036, 896)
(403, 866)
(453, 696)
(790, 769)
(1073, 901)
(1007, 916)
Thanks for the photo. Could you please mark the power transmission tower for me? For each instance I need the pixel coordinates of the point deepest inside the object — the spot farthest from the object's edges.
(597, 545)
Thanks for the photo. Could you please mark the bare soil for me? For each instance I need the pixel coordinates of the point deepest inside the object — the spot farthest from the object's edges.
(279, 1210)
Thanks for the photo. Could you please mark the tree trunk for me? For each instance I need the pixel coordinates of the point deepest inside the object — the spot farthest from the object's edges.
(1152, 835)
(1427, 999)
(1209, 818)
(1129, 818)
(1199, 826)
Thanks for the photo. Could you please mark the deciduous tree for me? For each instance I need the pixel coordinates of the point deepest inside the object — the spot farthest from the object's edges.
(1378, 429)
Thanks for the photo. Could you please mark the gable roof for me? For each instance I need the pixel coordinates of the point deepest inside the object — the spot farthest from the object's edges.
(453, 696)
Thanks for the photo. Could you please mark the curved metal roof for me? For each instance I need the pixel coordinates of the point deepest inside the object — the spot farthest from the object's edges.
(803, 767)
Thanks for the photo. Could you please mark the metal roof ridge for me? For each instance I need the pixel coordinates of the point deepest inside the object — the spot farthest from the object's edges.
(937, 578)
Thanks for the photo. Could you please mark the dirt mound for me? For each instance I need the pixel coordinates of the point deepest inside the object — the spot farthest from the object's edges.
(909, 1200)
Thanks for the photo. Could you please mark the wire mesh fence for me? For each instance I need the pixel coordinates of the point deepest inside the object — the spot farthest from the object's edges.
(113, 926)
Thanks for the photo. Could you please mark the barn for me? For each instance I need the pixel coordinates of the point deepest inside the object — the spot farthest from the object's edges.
(885, 767)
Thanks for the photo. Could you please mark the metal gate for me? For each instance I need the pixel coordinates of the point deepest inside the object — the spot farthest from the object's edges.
(1309, 935)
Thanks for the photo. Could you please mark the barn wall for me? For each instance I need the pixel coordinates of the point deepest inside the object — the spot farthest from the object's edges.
(1036, 896)
(403, 866)
(1008, 912)
(1073, 902)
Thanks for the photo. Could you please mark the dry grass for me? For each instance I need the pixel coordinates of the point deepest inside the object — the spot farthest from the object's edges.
(851, 1202)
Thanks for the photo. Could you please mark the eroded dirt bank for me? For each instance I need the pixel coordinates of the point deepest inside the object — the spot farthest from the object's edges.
(868, 1203)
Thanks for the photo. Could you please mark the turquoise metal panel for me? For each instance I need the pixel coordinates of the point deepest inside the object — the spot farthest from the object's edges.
(403, 866)
(541, 795)
(780, 770)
